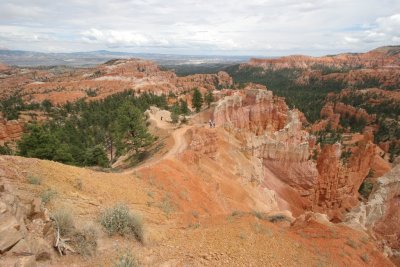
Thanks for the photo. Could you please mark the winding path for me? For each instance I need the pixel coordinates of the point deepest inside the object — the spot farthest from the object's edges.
(178, 139)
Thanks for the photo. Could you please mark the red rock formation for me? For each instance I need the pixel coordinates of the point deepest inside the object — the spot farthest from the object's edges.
(274, 134)
(252, 110)
(10, 131)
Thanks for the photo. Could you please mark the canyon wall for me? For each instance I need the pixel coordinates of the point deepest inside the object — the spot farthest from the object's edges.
(304, 175)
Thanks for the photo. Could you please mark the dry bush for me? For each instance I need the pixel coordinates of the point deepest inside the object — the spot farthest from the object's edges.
(84, 241)
(119, 219)
(64, 221)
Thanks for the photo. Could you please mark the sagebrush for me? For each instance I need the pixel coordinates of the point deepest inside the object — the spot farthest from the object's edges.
(120, 220)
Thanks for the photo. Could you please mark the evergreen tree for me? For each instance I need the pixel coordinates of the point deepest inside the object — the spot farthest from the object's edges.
(131, 128)
(5, 150)
(175, 113)
(197, 100)
(96, 156)
(63, 154)
(38, 143)
(209, 98)
(47, 105)
(183, 107)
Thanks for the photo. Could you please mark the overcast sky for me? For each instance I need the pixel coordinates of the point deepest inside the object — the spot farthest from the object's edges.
(224, 27)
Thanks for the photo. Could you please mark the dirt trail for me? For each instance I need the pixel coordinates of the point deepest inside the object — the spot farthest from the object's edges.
(177, 136)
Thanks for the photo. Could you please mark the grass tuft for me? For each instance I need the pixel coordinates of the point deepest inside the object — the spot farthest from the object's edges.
(34, 180)
(48, 195)
(126, 260)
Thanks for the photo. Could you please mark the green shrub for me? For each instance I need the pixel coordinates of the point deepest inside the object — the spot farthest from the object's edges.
(48, 195)
(119, 219)
(64, 221)
(126, 260)
(34, 180)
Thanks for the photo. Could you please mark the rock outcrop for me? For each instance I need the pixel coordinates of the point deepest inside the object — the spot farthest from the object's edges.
(23, 222)
(339, 178)
(380, 214)
(10, 131)
(272, 133)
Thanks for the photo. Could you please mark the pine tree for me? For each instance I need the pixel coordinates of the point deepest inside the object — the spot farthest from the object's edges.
(38, 142)
(175, 113)
(209, 98)
(197, 100)
(131, 127)
(184, 107)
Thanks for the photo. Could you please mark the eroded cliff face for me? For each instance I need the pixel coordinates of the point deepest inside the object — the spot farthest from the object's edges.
(253, 111)
(272, 133)
(380, 214)
(340, 177)
(10, 131)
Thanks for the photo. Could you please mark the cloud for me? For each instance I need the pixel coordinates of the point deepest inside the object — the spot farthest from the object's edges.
(385, 30)
(116, 37)
(252, 27)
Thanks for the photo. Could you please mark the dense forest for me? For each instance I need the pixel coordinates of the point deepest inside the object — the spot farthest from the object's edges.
(92, 133)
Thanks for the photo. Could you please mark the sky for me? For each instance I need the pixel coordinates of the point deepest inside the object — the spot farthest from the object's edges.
(218, 27)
